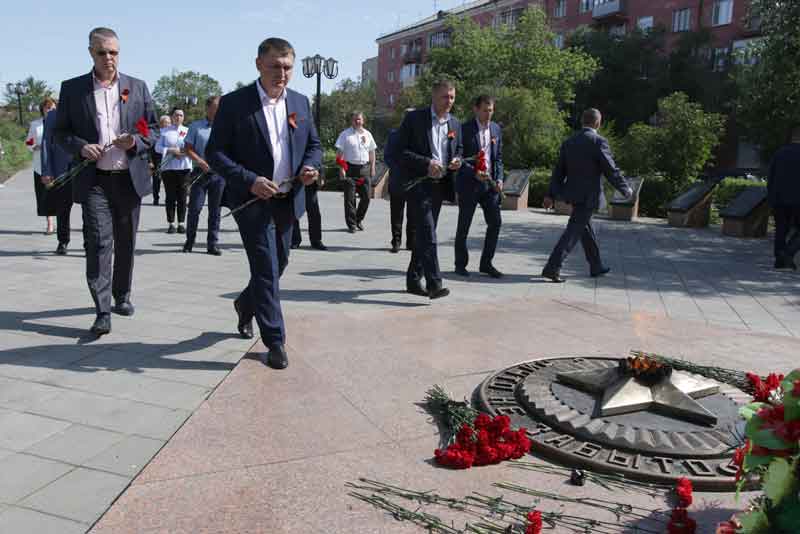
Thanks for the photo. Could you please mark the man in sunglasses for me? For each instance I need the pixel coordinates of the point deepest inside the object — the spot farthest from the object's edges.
(97, 120)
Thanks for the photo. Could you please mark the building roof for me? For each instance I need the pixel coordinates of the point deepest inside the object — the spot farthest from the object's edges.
(466, 6)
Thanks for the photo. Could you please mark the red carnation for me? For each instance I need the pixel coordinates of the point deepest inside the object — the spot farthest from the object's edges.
(727, 527)
(340, 161)
(534, 522)
(182, 133)
(293, 120)
(124, 95)
(681, 523)
(738, 459)
(480, 162)
(29, 142)
(142, 127)
(451, 134)
(684, 492)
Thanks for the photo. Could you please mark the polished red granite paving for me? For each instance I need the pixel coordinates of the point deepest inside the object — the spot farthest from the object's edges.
(270, 451)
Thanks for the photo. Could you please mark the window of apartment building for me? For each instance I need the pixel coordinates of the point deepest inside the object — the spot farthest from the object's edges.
(391, 99)
(719, 59)
(403, 49)
(439, 39)
(392, 52)
(585, 5)
(410, 71)
(509, 17)
(682, 20)
(390, 76)
(558, 40)
(645, 23)
(617, 31)
(560, 10)
(743, 52)
(722, 12)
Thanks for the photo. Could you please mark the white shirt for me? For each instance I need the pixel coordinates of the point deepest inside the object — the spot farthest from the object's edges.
(355, 145)
(439, 130)
(109, 125)
(278, 127)
(173, 137)
(485, 141)
(34, 143)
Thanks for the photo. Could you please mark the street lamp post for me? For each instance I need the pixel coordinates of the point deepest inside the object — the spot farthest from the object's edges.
(20, 90)
(317, 66)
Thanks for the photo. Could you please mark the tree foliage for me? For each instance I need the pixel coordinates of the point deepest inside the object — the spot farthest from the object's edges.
(769, 90)
(350, 95)
(170, 91)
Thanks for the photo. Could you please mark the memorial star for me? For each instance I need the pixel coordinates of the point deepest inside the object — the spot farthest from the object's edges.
(620, 393)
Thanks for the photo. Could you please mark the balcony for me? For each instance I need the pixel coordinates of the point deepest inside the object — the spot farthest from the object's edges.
(604, 9)
(412, 55)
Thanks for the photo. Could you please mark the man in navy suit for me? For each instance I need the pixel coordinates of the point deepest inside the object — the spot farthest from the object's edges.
(783, 186)
(265, 145)
(482, 188)
(96, 120)
(429, 145)
(577, 179)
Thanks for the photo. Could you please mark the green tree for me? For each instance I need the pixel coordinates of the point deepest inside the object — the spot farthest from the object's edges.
(769, 91)
(170, 91)
(350, 95)
(36, 91)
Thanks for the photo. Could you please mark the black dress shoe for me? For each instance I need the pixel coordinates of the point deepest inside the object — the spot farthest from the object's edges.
(602, 271)
(214, 250)
(416, 289)
(187, 247)
(438, 292)
(171, 229)
(462, 271)
(123, 307)
(245, 327)
(351, 230)
(360, 226)
(102, 324)
(318, 246)
(181, 229)
(553, 276)
(395, 249)
(61, 249)
(491, 271)
(276, 357)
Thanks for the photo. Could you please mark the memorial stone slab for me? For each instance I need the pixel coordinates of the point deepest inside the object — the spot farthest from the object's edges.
(625, 208)
(747, 214)
(515, 189)
(692, 208)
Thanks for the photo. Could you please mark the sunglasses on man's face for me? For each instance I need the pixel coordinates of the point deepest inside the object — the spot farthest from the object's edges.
(112, 53)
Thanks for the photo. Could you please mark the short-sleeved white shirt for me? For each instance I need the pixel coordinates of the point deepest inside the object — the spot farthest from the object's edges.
(356, 145)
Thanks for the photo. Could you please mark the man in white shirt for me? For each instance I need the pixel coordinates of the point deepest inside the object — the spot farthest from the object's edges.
(356, 146)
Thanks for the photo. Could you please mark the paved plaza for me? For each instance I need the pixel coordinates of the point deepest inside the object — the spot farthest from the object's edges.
(171, 424)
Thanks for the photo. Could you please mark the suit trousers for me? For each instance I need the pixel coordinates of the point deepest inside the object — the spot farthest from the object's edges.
(267, 246)
(786, 218)
(62, 224)
(176, 187)
(424, 205)
(579, 228)
(353, 215)
(110, 222)
(490, 205)
(397, 204)
(212, 186)
(314, 219)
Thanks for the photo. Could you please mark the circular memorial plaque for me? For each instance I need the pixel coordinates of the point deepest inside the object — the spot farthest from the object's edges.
(601, 414)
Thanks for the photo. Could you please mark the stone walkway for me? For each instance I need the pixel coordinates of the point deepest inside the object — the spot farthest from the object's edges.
(82, 418)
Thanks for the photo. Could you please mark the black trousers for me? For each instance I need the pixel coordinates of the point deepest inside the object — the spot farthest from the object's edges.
(213, 186)
(62, 224)
(579, 228)
(156, 159)
(424, 205)
(352, 214)
(176, 186)
(397, 205)
(314, 219)
(786, 218)
(267, 246)
(110, 222)
(490, 205)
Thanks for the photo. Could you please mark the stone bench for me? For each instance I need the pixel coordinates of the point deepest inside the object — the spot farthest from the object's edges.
(747, 214)
(515, 189)
(623, 208)
(692, 209)
(380, 182)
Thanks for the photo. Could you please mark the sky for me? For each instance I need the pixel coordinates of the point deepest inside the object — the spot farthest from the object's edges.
(48, 39)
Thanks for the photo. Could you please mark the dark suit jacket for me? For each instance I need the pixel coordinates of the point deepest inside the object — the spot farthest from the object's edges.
(578, 176)
(76, 125)
(783, 182)
(55, 160)
(466, 183)
(239, 148)
(414, 148)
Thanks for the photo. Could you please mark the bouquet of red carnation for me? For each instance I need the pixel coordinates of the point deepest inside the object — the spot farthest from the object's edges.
(342, 163)
(487, 441)
(29, 141)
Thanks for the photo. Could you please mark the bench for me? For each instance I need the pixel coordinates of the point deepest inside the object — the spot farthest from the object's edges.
(692, 209)
(380, 182)
(747, 214)
(515, 189)
(622, 208)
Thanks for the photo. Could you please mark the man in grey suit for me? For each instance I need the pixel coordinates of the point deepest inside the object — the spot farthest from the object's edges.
(106, 117)
(577, 179)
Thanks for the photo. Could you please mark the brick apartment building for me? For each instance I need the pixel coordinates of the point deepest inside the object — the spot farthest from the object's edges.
(402, 53)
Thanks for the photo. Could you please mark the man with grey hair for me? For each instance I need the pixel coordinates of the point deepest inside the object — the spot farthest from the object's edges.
(577, 179)
(106, 117)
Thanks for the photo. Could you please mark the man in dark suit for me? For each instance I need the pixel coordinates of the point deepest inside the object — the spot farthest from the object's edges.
(97, 120)
(55, 162)
(397, 197)
(314, 216)
(577, 179)
(429, 144)
(783, 186)
(265, 145)
(480, 187)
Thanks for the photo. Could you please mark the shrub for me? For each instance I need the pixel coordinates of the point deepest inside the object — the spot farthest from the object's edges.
(656, 194)
(539, 183)
(17, 155)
